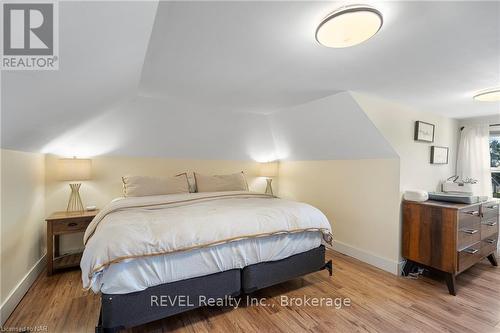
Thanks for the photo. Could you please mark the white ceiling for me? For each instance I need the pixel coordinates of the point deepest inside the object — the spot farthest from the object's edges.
(262, 56)
(128, 65)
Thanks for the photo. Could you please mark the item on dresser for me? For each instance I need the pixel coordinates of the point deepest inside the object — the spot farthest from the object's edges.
(448, 238)
(62, 223)
(454, 197)
(416, 195)
(457, 187)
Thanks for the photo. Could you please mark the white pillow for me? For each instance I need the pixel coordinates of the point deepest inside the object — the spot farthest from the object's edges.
(217, 183)
(139, 186)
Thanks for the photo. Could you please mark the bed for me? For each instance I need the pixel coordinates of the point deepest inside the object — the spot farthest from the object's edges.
(192, 245)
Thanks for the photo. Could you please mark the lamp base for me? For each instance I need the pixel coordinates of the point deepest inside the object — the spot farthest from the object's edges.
(75, 202)
(269, 188)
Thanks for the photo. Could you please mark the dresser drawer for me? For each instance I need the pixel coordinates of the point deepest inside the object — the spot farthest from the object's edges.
(69, 226)
(489, 211)
(489, 245)
(469, 256)
(489, 227)
(469, 235)
(469, 217)
(469, 227)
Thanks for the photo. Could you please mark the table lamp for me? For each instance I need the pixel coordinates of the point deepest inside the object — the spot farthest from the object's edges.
(268, 170)
(74, 169)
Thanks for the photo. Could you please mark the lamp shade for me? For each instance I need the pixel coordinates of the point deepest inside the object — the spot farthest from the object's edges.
(74, 169)
(269, 169)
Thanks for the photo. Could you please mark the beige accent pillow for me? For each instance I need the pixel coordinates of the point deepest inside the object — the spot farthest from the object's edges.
(139, 186)
(232, 182)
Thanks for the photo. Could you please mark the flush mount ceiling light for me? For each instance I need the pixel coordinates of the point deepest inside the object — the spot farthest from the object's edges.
(349, 26)
(488, 95)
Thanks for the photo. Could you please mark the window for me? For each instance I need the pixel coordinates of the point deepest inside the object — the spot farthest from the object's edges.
(495, 159)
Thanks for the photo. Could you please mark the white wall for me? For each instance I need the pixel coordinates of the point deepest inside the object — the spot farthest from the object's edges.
(396, 123)
(22, 225)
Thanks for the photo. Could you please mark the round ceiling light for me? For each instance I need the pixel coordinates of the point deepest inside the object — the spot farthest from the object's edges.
(488, 95)
(349, 26)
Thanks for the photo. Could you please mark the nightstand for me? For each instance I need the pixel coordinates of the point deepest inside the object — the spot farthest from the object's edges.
(63, 223)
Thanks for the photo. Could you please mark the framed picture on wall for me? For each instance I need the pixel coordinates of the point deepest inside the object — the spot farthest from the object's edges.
(439, 155)
(424, 131)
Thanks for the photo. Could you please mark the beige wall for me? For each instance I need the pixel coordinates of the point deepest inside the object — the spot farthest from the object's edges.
(22, 221)
(396, 123)
(106, 180)
(359, 197)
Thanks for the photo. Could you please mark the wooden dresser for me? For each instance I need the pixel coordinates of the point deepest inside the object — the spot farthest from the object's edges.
(449, 238)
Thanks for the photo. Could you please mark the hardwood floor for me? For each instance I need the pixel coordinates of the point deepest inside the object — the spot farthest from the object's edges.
(381, 302)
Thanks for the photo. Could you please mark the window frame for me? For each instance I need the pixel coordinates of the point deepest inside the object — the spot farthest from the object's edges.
(494, 132)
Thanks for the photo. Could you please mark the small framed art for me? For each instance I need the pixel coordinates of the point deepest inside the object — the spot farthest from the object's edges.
(439, 155)
(424, 131)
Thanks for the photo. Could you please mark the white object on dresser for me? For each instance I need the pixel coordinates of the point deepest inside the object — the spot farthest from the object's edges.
(416, 195)
(457, 187)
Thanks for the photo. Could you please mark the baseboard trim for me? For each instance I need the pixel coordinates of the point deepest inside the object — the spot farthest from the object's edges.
(379, 262)
(20, 290)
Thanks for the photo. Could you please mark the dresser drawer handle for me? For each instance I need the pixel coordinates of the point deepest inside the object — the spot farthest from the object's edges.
(472, 212)
(471, 251)
(490, 241)
(490, 224)
(72, 224)
(470, 231)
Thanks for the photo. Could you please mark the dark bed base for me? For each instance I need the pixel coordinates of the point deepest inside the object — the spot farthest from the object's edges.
(127, 310)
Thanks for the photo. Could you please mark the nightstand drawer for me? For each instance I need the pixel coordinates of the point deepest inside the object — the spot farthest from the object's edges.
(72, 225)
(489, 227)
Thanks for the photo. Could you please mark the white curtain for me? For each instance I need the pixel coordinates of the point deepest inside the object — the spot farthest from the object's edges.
(474, 158)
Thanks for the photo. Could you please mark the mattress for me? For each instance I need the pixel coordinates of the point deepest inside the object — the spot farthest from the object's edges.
(138, 274)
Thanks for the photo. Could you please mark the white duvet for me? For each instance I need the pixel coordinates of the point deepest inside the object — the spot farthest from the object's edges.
(136, 229)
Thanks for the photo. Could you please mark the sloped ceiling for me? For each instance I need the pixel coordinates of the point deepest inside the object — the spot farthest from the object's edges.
(102, 46)
(330, 128)
(240, 80)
